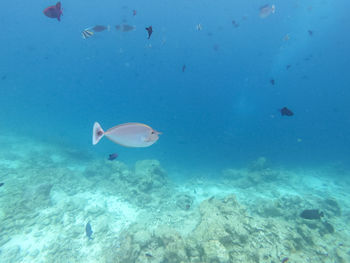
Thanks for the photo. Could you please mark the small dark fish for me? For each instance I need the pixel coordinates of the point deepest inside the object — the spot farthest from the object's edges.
(100, 28)
(54, 11)
(288, 67)
(286, 112)
(272, 81)
(1, 184)
(216, 47)
(235, 24)
(117, 27)
(311, 214)
(310, 32)
(284, 260)
(183, 68)
(4, 77)
(134, 12)
(150, 31)
(148, 255)
(88, 231)
(113, 156)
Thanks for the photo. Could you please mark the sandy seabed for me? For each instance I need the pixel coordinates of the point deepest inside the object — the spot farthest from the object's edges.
(139, 214)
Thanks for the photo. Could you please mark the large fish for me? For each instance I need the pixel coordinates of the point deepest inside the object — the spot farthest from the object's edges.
(127, 134)
(54, 11)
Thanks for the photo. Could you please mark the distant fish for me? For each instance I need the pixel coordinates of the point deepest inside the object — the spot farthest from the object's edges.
(286, 112)
(88, 231)
(87, 33)
(1, 184)
(127, 28)
(149, 31)
(311, 214)
(199, 27)
(183, 68)
(127, 134)
(134, 12)
(54, 11)
(266, 10)
(100, 28)
(4, 77)
(113, 156)
(235, 24)
(310, 32)
(286, 37)
(288, 66)
(272, 81)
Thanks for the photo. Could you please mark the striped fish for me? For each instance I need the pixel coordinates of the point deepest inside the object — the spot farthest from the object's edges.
(87, 33)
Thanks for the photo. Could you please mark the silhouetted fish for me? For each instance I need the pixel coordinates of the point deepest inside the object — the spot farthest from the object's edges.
(134, 12)
(183, 68)
(88, 230)
(100, 28)
(4, 77)
(272, 81)
(311, 214)
(54, 11)
(235, 24)
(127, 28)
(288, 67)
(286, 112)
(310, 32)
(1, 184)
(113, 156)
(150, 31)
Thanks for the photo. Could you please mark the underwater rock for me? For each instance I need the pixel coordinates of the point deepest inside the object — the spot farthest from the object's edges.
(149, 176)
(38, 197)
(328, 228)
(184, 201)
(142, 237)
(311, 214)
(266, 209)
(332, 207)
(258, 164)
(215, 252)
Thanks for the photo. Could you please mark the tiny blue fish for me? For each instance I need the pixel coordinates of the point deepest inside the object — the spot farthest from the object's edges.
(113, 156)
(1, 184)
(88, 231)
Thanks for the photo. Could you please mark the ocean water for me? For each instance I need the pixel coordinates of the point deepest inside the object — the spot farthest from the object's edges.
(229, 177)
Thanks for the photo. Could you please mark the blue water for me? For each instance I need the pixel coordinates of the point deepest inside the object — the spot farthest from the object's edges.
(222, 111)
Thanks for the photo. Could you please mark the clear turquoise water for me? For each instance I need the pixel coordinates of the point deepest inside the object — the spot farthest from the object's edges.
(222, 112)
(218, 112)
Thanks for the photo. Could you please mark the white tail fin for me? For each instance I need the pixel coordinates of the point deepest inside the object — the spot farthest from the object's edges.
(97, 133)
